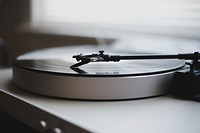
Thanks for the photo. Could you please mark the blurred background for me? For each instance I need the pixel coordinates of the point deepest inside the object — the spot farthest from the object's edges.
(148, 26)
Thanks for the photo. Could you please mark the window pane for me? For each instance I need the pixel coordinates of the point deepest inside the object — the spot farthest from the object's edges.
(180, 17)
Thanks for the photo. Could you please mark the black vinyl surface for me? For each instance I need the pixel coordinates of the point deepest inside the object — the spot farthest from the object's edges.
(103, 69)
(58, 61)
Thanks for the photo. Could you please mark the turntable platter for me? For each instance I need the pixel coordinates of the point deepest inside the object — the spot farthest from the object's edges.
(48, 72)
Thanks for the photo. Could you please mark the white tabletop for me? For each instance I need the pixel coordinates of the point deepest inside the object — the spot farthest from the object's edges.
(163, 114)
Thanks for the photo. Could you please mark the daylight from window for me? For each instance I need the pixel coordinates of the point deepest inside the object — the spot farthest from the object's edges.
(170, 16)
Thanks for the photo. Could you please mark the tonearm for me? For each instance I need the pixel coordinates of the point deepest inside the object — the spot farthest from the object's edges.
(101, 57)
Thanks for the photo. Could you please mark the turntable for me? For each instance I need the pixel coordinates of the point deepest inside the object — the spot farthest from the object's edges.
(97, 76)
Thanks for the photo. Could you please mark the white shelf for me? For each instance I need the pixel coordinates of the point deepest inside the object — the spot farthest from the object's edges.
(163, 114)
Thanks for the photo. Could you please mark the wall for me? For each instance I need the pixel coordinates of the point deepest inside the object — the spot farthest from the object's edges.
(15, 13)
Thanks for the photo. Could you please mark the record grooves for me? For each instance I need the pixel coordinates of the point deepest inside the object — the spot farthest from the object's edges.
(24, 64)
